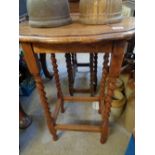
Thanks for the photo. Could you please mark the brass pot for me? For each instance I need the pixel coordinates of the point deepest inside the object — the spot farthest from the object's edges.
(48, 13)
(100, 11)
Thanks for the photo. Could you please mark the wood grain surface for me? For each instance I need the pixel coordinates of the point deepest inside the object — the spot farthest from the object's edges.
(77, 32)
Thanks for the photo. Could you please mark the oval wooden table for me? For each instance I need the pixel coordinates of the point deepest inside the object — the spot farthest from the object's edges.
(108, 39)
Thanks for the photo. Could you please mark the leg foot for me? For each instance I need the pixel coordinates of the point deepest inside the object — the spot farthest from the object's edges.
(104, 134)
(99, 111)
(62, 109)
(103, 140)
(55, 137)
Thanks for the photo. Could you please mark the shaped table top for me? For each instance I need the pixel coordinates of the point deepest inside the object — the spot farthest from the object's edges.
(77, 32)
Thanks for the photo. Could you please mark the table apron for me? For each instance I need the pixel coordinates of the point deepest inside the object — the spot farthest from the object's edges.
(98, 47)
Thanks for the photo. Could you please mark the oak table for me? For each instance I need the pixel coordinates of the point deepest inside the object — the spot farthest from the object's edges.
(108, 39)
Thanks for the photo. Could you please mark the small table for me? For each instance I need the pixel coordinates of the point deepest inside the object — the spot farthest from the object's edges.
(109, 39)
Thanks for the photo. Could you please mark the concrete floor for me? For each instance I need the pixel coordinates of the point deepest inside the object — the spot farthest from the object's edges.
(36, 140)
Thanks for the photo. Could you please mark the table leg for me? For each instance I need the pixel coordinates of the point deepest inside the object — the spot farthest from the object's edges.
(57, 81)
(74, 59)
(95, 70)
(44, 66)
(34, 69)
(70, 73)
(119, 48)
(74, 65)
(105, 71)
(91, 74)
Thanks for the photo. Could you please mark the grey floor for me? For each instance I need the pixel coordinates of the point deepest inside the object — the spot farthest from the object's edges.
(36, 140)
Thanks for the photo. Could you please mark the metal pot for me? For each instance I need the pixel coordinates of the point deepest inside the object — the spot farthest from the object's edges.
(100, 11)
(48, 13)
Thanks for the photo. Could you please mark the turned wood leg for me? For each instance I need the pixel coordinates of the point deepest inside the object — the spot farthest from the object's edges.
(74, 59)
(48, 115)
(107, 108)
(57, 81)
(103, 80)
(91, 75)
(70, 73)
(74, 65)
(119, 48)
(95, 71)
(33, 67)
(44, 66)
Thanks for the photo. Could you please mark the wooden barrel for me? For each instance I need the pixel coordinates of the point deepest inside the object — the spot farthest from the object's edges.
(48, 13)
(100, 11)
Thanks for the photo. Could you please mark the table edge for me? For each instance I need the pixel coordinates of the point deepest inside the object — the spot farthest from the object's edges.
(78, 39)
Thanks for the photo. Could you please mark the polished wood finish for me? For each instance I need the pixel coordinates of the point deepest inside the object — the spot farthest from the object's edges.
(70, 72)
(74, 59)
(33, 68)
(73, 47)
(57, 81)
(103, 80)
(108, 39)
(77, 33)
(74, 66)
(79, 127)
(57, 109)
(92, 74)
(95, 71)
(114, 70)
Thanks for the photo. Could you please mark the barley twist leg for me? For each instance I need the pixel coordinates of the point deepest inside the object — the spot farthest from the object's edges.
(48, 115)
(107, 108)
(91, 74)
(103, 80)
(70, 73)
(57, 81)
(95, 70)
